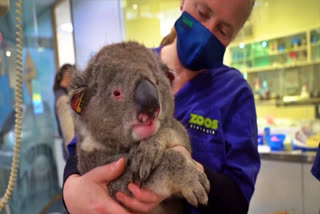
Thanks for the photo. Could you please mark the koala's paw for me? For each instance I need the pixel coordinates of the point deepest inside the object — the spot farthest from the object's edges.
(120, 184)
(195, 185)
(146, 158)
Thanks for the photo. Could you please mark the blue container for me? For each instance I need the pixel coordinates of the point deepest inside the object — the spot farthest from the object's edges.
(303, 149)
(260, 139)
(276, 141)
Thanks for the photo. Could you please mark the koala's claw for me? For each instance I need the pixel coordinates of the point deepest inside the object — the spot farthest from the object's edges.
(196, 186)
(138, 179)
(196, 195)
(204, 182)
(146, 158)
(148, 165)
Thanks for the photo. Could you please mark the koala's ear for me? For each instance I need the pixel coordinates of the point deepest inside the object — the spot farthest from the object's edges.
(77, 99)
(169, 73)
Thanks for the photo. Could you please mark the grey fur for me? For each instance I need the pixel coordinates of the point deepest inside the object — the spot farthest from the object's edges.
(105, 132)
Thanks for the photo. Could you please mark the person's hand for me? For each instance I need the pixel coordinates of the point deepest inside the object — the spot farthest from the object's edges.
(143, 201)
(186, 153)
(89, 193)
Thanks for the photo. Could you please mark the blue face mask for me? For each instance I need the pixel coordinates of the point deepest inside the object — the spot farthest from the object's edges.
(197, 47)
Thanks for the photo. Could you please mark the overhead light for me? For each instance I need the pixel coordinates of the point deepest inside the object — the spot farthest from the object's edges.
(135, 6)
(241, 45)
(8, 53)
(264, 44)
(66, 27)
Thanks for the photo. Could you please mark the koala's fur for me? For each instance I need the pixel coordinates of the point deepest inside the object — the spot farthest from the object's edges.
(105, 125)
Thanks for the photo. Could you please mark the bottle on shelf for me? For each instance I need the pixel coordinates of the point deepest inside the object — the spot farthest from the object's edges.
(304, 91)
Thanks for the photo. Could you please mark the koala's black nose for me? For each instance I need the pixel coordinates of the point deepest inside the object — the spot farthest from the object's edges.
(147, 100)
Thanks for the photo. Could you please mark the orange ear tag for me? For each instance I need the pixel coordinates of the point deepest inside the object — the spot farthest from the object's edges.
(77, 101)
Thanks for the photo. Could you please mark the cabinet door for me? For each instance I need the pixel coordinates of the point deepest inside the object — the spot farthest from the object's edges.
(278, 187)
(311, 191)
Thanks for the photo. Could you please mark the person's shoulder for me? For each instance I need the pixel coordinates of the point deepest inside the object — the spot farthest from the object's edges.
(234, 73)
(231, 75)
(60, 91)
(157, 50)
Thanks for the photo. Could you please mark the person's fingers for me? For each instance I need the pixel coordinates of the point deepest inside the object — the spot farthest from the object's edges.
(106, 207)
(107, 172)
(110, 206)
(199, 165)
(133, 204)
(144, 195)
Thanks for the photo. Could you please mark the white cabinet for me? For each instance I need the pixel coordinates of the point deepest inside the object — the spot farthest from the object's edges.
(285, 186)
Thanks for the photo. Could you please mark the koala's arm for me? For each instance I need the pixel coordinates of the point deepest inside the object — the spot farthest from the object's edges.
(177, 173)
(88, 160)
(150, 151)
(177, 135)
(170, 135)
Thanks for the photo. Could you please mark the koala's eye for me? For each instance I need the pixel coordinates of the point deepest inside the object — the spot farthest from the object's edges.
(116, 93)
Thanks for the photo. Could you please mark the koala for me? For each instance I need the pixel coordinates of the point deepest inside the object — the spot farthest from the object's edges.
(123, 107)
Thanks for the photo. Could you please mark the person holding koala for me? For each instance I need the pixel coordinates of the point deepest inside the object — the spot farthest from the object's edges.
(316, 165)
(212, 101)
(62, 108)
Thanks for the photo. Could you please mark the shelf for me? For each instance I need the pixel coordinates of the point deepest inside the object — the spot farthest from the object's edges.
(241, 60)
(270, 102)
(289, 156)
(289, 100)
(249, 41)
(258, 55)
(298, 100)
(273, 53)
(279, 67)
(315, 45)
(303, 48)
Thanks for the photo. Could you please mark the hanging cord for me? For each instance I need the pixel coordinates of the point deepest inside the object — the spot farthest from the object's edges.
(15, 161)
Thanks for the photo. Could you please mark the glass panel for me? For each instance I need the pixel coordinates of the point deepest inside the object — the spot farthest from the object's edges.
(37, 181)
(315, 44)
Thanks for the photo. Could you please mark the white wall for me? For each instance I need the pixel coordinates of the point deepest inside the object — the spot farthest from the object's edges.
(96, 24)
(64, 29)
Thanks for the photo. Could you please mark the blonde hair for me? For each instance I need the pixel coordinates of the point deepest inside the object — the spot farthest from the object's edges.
(251, 5)
(167, 40)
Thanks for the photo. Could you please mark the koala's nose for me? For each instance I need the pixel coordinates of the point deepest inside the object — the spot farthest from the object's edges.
(147, 99)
